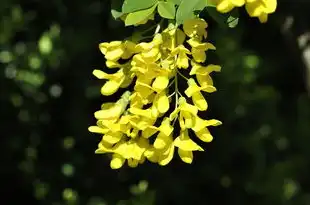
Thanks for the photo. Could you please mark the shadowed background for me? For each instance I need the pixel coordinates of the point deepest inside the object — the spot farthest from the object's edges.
(260, 155)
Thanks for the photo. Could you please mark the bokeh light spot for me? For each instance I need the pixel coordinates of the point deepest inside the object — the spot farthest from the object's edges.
(140, 188)
(34, 62)
(16, 100)
(282, 143)
(45, 44)
(24, 116)
(69, 195)
(290, 188)
(31, 152)
(6, 56)
(68, 142)
(55, 91)
(251, 61)
(10, 71)
(67, 170)
(40, 190)
(225, 181)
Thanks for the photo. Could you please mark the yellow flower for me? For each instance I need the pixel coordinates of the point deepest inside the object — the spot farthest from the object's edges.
(132, 150)
(160, 83)
(135, 148)
(261, 8)
(150, 51)
(163, 149)
(163, 138)
(129, 49)
(193, 91)
(151, 113)
(142, 86)
(182, 59)
(115, 111)
(201, 128)
(255, 8)
(186, 147)
(112, 137)
(161, 102)
(225, 6)
(98, 129)
(162, 157)
(172, 37)
(203, 73)
(165, 155)
(142, 66)
(109, 114)
(144, 123)
(112, 51)
(115, 50)
(117, 161)
(112, 64)
(114, 81)
(136, 100)
(187, 113)
(157, 40)
(199, 49)
(195, 28)
(105, 145)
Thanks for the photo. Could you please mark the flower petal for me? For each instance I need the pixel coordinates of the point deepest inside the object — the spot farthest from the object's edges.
(162, 103)
(200, 101)
(160, 83)
(117, 161)
(204, 135)
(185, 143)
(186, 156)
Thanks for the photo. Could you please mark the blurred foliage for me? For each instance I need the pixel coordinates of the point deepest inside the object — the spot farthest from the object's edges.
(48, 50)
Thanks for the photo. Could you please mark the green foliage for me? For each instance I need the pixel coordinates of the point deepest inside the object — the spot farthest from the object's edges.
(116, 8)
(180, 10)
(232, 21)
(139, 16)
(136, 5)
(187, 8)
(176, 2)
(166, 9)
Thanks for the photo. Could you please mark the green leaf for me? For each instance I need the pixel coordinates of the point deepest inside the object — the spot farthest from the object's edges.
(116, 8)
(176, 2)
(187, 8)
(233, 19)
(116, 14)
(166, 10)
(210, 3)
(138, 16)
(130, 6)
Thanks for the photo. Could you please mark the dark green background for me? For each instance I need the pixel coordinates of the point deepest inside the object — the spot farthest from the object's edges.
(260, 155)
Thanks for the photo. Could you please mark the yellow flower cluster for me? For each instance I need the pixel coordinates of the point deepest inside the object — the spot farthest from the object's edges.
(141, 124)
(255, 8)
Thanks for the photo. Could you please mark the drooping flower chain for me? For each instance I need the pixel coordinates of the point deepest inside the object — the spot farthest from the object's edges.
(128, 125)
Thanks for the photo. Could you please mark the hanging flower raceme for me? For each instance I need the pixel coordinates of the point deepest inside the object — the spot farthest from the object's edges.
(155, 118)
